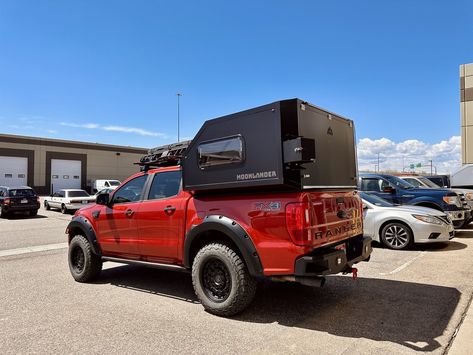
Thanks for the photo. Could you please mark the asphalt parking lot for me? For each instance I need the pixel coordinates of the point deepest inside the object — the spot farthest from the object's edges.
(402, 302)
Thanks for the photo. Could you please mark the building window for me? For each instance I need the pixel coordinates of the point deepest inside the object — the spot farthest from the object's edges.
(21, 176)
(55, 176)
(65, 177)
(9, 176)
(221, 152)
(76, 176)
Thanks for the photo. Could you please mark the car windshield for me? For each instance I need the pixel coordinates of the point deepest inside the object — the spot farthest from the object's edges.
(398, 182)
(429, 183)
(114, 183)
(81, 193)
(21, 193)
(375, 200)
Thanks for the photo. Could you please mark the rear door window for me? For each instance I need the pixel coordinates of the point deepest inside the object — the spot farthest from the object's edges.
(21, 193)
(165, 185)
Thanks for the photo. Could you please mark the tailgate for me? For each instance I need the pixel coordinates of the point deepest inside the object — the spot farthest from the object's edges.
(324, 218)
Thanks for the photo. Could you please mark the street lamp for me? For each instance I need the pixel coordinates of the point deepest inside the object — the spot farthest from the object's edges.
(178, 99)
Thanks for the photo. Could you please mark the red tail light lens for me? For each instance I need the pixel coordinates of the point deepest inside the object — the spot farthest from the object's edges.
(6, 201)
(298, 223)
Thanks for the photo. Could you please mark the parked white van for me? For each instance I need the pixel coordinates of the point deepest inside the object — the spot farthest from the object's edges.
(105, 184)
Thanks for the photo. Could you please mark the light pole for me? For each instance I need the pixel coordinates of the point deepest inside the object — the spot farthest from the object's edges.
(178, 99)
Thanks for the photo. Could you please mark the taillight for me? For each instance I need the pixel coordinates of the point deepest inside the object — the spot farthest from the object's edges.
(6, 201)
(298, 223)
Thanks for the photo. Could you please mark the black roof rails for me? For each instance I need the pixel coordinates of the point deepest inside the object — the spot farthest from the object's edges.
(166, 155)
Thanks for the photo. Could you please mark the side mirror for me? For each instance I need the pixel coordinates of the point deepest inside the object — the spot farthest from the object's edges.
(102, 199)
(389, 189)
(365, 207)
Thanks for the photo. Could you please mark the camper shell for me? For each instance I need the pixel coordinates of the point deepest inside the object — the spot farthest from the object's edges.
(286, 145)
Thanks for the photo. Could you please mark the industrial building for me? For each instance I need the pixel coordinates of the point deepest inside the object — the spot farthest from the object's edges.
(51, 164)
(466, 111)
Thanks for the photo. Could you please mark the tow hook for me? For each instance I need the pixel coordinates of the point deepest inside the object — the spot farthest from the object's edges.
(353, 271)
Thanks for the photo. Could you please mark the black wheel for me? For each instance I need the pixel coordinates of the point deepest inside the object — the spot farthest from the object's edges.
(63, 209)
(221, 280)
(33, 213)
(397, 236)
(3, 214)
(458, 224)
(46, 206)
(83, 263)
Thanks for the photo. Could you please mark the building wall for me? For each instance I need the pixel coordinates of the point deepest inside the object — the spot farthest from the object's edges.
(466, 111)
(100, 161)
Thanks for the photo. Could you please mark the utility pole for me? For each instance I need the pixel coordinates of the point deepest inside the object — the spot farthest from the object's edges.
(178, 99)
(431, 172)
(378, 162)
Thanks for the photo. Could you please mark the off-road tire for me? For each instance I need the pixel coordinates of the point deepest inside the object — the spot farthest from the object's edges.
(33, 213)
(397, 236)
(83, 263)
(46, 206)
(63, 209)
(242, 284)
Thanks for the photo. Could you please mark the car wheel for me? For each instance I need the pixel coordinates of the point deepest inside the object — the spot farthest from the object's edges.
(63, 209)
(83, 263)
(33, 213)
(458, 224)
(46, 206)
(221, 280)
(3, 214)
(397, 236)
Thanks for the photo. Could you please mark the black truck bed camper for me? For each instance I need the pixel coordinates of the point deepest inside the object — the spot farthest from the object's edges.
(286, 145)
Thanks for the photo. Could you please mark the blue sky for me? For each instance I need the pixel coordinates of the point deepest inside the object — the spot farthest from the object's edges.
(108, 71)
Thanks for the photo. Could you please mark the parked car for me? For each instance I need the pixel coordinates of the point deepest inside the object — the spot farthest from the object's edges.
(398, 191)
(68, 200)
(104, 184)
(399, 227)
(466, 195)
(18, 199)
(440, 180)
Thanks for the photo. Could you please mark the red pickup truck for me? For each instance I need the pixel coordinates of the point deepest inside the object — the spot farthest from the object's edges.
(226, 232)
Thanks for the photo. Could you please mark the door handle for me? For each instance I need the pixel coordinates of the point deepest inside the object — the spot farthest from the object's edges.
(169, 210)
(129, 213)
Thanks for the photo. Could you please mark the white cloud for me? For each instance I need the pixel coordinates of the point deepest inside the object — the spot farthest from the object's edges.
(445, 156)
(134, 130)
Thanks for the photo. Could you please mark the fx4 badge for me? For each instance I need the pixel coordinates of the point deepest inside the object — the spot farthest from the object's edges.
(329, 131)
(268, 206)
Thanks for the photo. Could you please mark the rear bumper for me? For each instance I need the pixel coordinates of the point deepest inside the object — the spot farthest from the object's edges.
(333, 261)
(20, 208)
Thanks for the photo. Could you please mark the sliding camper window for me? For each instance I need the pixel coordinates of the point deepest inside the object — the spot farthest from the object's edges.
(220, 152)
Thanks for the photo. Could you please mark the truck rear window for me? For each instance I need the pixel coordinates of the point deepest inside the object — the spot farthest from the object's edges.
(220, 152)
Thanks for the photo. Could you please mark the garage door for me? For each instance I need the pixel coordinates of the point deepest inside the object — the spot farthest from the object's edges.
(13, 171)
(65, 174)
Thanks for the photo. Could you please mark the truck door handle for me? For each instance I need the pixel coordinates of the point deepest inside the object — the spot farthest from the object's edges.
(169, 210)
(129, 213)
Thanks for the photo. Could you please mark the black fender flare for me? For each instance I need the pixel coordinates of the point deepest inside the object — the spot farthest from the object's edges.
(233, 231)
(83, 224)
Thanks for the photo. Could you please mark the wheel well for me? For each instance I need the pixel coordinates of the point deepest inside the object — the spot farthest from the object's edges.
(394, 221)
(208, 237)
(72, 232)
(430, 205)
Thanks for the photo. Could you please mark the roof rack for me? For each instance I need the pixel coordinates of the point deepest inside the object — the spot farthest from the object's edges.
(166, 155)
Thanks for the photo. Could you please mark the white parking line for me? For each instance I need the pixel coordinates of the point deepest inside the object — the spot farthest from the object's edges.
(403, 266)
(34, 249)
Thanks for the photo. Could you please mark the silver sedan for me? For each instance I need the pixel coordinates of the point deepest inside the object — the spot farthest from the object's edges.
(398, 227)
